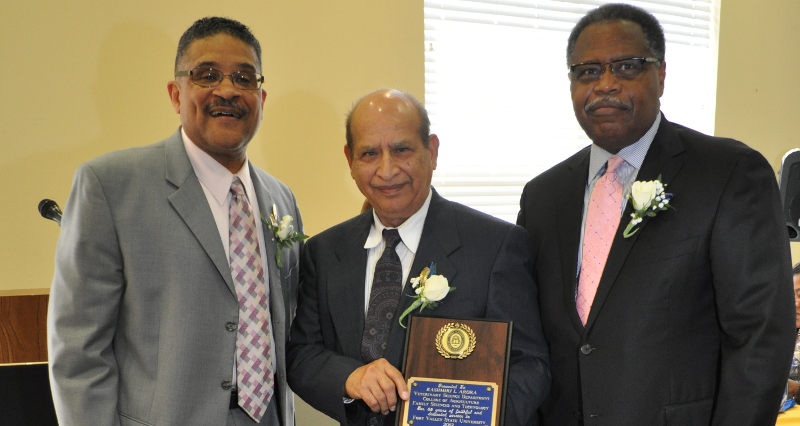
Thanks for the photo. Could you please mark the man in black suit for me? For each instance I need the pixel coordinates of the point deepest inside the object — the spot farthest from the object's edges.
(334, 362)
(690, 319)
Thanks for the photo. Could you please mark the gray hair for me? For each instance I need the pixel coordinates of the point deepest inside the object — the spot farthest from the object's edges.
(211, 26)
(653, 32)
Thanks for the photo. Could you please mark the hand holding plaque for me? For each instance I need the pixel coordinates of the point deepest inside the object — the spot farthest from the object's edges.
(377, 384)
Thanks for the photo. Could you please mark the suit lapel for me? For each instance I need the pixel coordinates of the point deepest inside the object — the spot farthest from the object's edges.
(189, 201)
(439, 239)
(662, 159)
(346, 286)
(569, 209)
(265, 203)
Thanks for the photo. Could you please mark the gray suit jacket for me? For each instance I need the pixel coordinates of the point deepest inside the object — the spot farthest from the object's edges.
(142, 294)
(486, 259)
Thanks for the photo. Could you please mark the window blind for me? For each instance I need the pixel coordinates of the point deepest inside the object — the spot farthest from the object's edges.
(497, 91)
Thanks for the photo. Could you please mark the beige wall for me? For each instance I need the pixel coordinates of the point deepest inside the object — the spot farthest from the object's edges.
(757, 93)
(85, 77)
(88, 76)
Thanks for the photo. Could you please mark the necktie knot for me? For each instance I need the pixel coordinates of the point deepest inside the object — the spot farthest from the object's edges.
(392, 237)
(237, 188)
(613, 164)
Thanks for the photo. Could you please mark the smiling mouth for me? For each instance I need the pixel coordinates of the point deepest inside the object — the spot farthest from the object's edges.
(388, 189)
(225, 108)
(226, 114)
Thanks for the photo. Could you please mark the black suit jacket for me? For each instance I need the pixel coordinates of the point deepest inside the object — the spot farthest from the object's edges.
(692, 323)
(486, 259)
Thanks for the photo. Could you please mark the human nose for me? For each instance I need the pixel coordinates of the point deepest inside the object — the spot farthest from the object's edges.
(387, 167)
(226, 88)
(608, 82)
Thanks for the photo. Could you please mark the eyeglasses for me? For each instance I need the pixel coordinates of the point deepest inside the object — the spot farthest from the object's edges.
(623, 68)
(209, 77)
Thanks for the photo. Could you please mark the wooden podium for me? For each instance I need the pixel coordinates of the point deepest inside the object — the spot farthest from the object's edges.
(23, 326)
(25, 398)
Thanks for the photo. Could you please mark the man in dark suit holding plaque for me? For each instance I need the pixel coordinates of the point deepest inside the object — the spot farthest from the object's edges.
(656, 315)
(346, 342)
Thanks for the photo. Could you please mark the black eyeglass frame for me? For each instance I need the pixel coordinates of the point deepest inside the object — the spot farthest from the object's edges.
(259, 79)
(642, 60)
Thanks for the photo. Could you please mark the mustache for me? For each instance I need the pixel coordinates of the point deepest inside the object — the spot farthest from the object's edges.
(607, 101)
(226, 103)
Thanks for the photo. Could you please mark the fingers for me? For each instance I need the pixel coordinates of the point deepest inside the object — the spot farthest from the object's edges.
(377, 384)
(399, 382)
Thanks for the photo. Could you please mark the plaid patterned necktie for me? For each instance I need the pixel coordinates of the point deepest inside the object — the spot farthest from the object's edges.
(385, 294)
(253, 353)
(602, 221)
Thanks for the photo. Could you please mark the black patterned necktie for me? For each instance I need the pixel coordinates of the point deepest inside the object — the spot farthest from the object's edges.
(386, 289)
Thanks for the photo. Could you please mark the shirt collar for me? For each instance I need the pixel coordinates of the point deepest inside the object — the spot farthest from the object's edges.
(213, 175)
(632, 154)
(410, 231)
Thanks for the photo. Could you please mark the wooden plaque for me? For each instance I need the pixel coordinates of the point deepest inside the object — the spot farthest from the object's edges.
(456, 369)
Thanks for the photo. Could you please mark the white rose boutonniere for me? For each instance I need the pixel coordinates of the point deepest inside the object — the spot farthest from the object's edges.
(648, 198)
(284, 227)
(283, 232)
(430, 289)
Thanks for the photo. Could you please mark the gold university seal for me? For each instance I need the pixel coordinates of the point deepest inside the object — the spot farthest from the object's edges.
(455, 340)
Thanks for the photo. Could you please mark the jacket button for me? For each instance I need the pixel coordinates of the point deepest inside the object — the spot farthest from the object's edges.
(230, 326)
(578, 415)
(586, 349)
(226, 384)
(373, 421)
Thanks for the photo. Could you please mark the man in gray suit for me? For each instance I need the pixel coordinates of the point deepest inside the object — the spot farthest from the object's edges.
(347, 344)
(171, 301)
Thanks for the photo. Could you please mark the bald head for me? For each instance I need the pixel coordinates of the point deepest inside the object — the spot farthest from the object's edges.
(390, 101)
(391, 154)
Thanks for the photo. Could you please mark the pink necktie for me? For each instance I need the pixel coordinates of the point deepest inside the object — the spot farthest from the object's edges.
(602, 220)
(253, 354)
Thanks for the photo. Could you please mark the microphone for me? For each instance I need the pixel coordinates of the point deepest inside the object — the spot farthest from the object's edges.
(49, 210)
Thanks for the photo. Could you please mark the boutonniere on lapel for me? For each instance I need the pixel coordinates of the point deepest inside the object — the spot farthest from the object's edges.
(283, 232)
(430, 289)
(648, 199)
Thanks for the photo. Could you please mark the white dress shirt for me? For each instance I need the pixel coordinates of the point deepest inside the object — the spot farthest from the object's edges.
(410, 232)
(216, 181)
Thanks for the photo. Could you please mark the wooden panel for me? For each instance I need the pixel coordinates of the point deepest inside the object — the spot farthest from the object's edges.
(23, 328)
(24, 292)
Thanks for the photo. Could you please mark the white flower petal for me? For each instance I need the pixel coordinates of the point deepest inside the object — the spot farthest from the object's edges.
(436, 288)
(642, 194)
